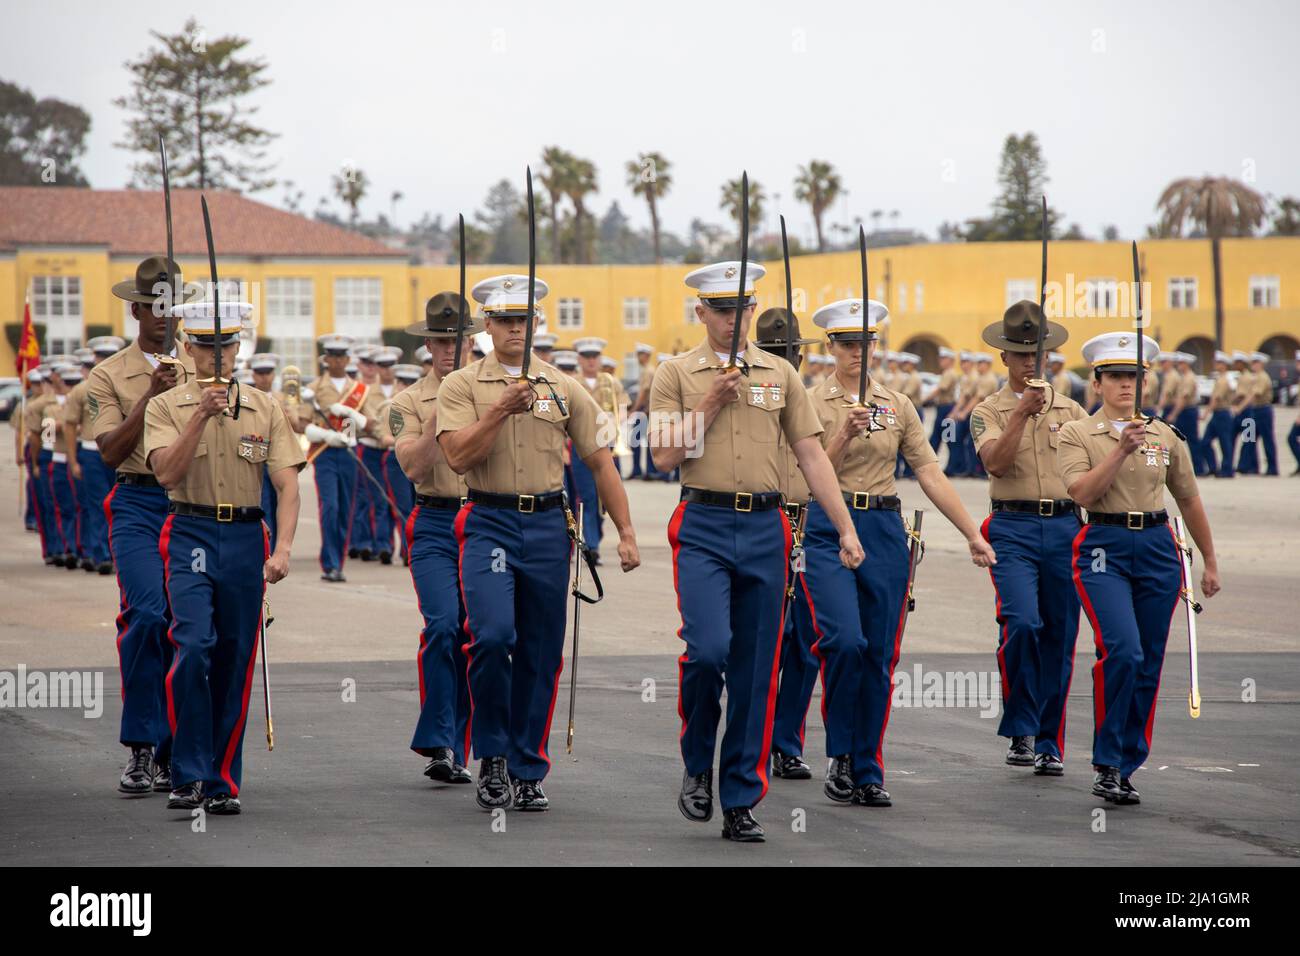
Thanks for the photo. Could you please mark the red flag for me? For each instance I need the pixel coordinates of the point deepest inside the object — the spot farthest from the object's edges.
(29, 350)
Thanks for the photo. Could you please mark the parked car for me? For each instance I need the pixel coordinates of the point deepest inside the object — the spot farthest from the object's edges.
(11, 395)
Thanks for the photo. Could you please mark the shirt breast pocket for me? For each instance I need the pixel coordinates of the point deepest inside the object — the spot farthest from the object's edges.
(765, 402)
(549, 424)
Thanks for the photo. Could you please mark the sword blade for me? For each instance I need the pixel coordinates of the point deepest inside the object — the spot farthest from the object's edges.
(460, 319)
(866, 298)
(789, 294)
(532, 277)
(744, 265)
(1193, 664)
(266, 681)
(1042, 301)
(1137, 289)
(577, 620)
(169, 327)
(216, 289)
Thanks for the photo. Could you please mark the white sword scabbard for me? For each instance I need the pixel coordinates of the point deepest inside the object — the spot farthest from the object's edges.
(1189, 602)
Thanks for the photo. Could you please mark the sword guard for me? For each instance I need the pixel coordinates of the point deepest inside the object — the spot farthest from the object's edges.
(737, 363)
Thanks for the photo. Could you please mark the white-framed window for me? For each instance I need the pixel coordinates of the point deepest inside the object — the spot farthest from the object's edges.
(636, 312)
(56, 302)
(289, 310)
(1265, 292)
(1103, 297)
(918, 295)
(359, 308)
(688, 310)
(569, 314)
(902, 297)
(1020, 289)
(1182, 293)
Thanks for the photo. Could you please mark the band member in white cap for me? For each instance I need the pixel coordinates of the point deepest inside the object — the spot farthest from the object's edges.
(720, 421)
(857, 613)
(1127, 569)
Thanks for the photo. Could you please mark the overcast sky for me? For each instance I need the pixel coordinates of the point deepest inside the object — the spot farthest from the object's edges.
(911, 101)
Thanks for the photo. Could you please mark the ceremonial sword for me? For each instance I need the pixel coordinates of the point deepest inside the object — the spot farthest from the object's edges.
(1193, 608)
(460, 318)
(169, 325)
(1141, 342)
(265, 620)
(789, 295)
(744, 265)
(580, 555)
(232, 408)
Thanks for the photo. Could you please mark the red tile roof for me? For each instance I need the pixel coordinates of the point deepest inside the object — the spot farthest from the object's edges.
(131, 222)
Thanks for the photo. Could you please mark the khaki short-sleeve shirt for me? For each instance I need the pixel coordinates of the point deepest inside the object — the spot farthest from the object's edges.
(1035, 472)
(229, 461)
(1163, 461)
(742, 448)
(870, 458)
(527, 457)
(119, 383)
(410, 415)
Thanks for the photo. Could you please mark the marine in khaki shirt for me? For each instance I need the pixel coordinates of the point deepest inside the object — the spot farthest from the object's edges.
(41, 422)
(120, 384)
(1033, 473)
(945, 392)
(866, 461)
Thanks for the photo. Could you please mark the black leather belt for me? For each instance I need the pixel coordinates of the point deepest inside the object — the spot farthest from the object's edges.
(1133, 520)
(737, 500)
(1043, 507)
(525, 504)
(861, 501)
(442, 504)
(131, 478)
(222, 513)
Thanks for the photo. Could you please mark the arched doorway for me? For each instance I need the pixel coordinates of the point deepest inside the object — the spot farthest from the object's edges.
(1203, 348)
(1281, 348)
(927, 348)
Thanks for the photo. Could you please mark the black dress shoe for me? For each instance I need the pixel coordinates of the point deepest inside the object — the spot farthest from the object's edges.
(137, 776)
(222, 804)
(1127, 792)
(739, 824)
(871, 795)
(353, 552)
(1106, 784)
(162, 778)
(1021, 752)
(334, 576)
(86, 564)
(1048, 765)
(790, 766)
(493, 783)
(187, 797)
(367, 554)
(70, 562)
(696, 799)
(529, 796)
(460, 774)
(51, 560)
(839, 778)
(385, 557)
(105, 567)
(440, 765)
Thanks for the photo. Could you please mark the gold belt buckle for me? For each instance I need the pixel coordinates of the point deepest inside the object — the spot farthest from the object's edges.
(792, 510)
(1046, 507)
(225, 512)
(748, 500)
(528, 500)
(1136, 520)
(864, 497)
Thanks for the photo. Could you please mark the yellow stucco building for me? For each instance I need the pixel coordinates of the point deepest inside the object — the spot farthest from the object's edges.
(66, 247)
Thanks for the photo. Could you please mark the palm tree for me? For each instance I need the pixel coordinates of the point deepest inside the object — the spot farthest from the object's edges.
(1219, 207)
(648, 176)
(555, 180)
(579, 184)
(731, 202)
(350, 187)
(818, 184)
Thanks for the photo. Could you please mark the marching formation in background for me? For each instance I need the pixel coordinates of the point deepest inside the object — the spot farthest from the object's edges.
(489, 469)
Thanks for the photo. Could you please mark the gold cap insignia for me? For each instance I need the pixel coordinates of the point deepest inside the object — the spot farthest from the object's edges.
(1123, 341)
(855, 308)
(730, 273)
(508, 284)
